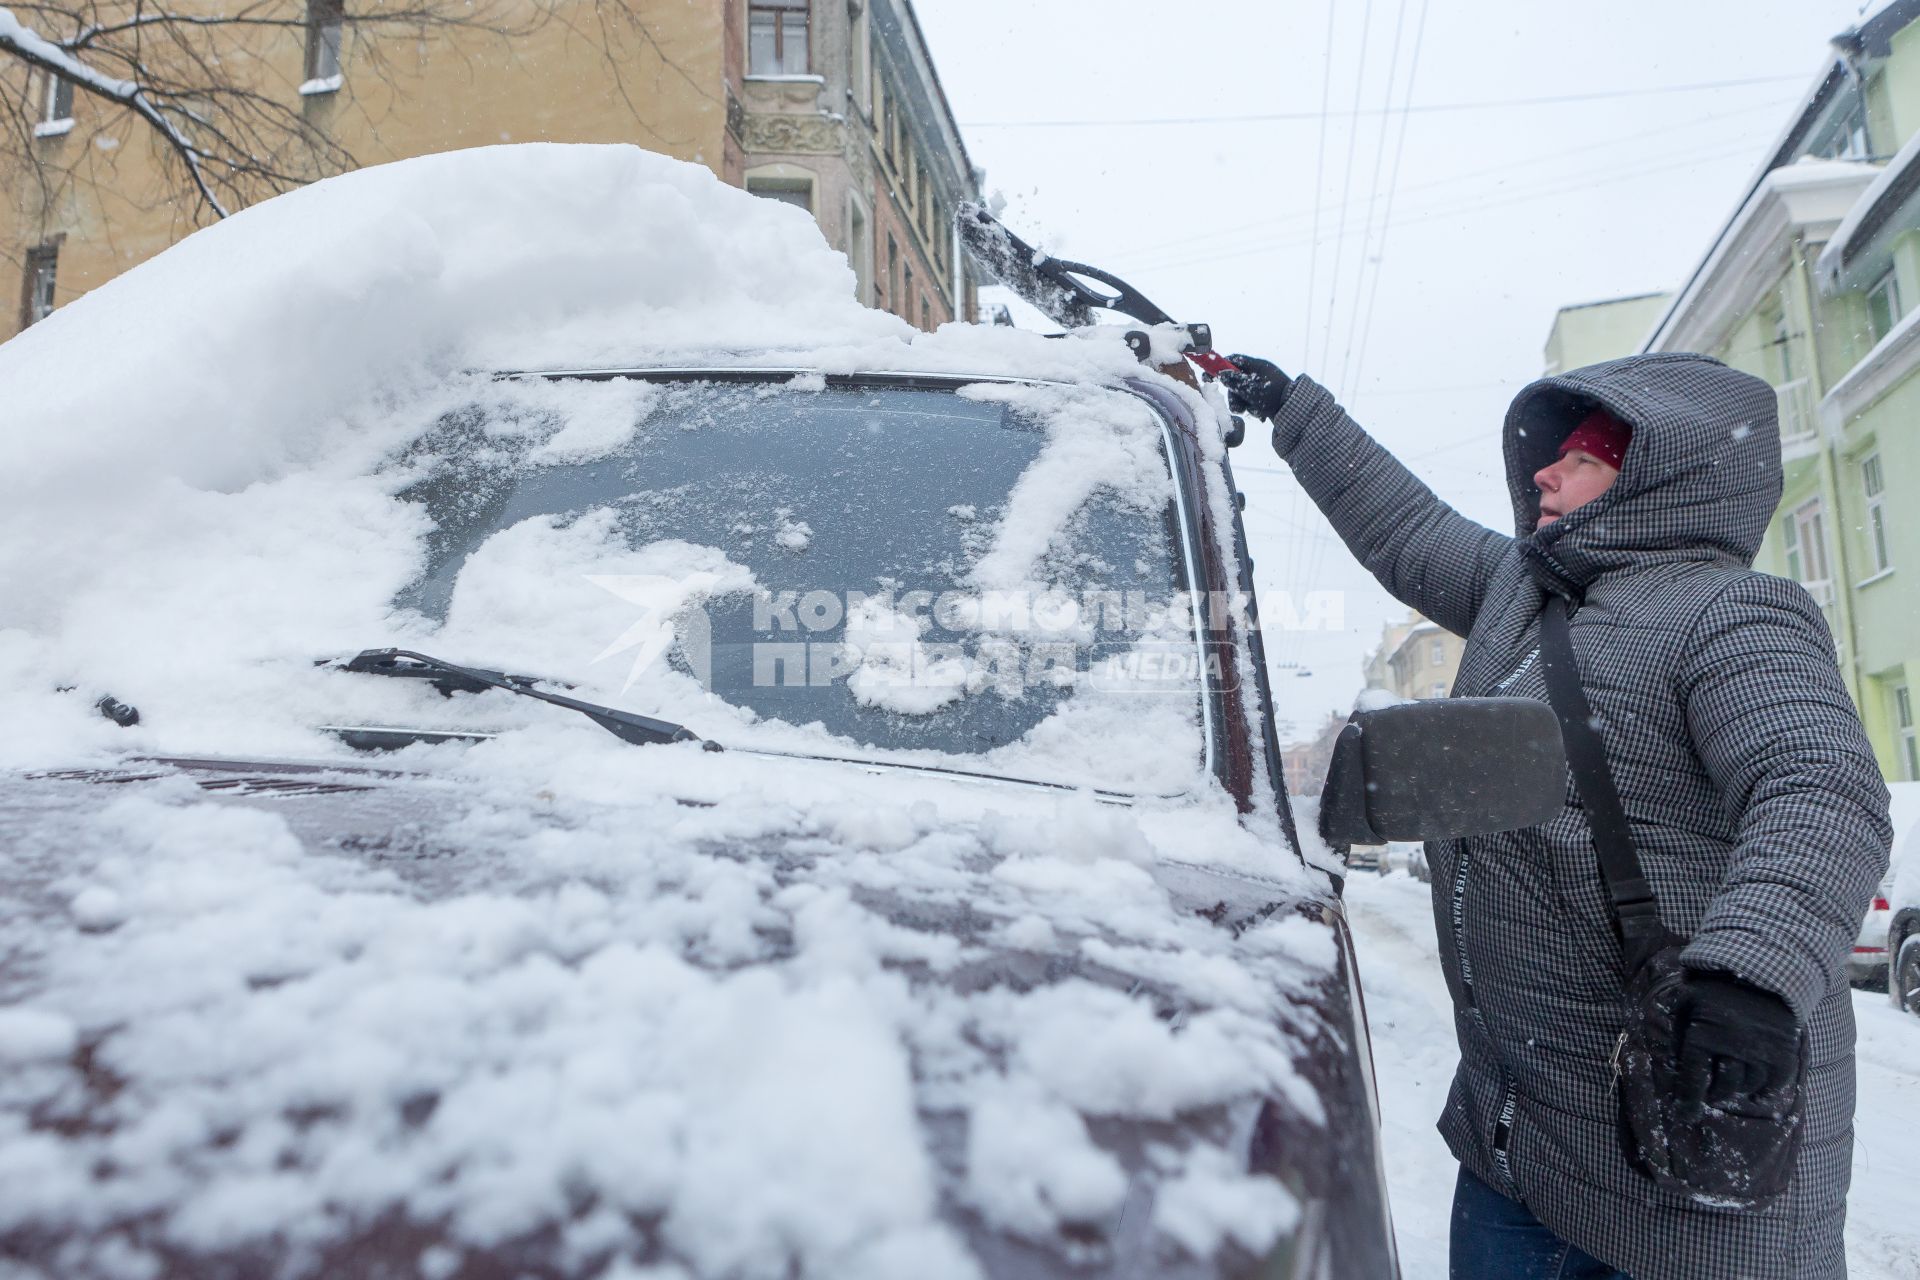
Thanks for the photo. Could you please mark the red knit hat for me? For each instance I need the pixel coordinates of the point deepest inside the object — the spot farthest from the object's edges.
(1602, 435)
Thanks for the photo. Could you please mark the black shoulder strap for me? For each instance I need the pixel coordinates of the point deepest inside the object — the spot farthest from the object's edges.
(1633, 901)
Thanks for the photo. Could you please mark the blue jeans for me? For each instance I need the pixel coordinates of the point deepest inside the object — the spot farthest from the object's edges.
(1494, 1238)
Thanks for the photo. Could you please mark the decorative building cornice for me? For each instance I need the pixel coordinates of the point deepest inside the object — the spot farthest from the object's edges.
(809, 135)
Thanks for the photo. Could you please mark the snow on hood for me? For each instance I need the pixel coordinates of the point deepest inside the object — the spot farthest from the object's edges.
(662, 1032)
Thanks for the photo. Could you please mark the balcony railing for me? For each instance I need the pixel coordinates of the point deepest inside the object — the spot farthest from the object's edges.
(1799, 422)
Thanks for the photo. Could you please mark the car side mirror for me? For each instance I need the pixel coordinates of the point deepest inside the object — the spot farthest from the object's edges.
(1443, 769)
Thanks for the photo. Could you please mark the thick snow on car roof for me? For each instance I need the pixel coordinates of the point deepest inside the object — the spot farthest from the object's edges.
(656, 1004)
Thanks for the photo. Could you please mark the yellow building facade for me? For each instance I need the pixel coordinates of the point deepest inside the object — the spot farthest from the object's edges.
(831, 105)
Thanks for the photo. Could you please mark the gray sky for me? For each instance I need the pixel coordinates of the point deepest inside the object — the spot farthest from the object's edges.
(1499, 215)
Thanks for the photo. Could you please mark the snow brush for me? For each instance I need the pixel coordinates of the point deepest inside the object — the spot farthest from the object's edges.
(1059, 289)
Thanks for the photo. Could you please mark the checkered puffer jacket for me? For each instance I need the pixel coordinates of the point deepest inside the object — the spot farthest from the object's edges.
(1754, 797)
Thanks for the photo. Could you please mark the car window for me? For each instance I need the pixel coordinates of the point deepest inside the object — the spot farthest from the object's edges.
(907, 569)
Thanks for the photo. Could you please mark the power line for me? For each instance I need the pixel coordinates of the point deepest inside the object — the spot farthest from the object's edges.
(1490, 104)
(1319, 168)
(1373, 195)
(1519, 196)
(1393, 188)
(1346, 182)
(1187, 242)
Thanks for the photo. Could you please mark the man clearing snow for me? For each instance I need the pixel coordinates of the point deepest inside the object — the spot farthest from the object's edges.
(1641, 490)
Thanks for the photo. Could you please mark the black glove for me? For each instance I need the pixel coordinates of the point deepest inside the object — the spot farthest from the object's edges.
(1734, 1039)
(1255, 386)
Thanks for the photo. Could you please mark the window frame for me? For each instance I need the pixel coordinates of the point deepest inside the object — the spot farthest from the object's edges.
(1873, 488)
(326, 46)
(40, 283)
(1810, 518)
(1904, 730)
(1884, 295)
(782, 13)
(781, 186)
(56, 107)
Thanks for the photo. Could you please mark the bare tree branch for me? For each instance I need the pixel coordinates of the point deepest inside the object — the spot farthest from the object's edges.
(208, 84)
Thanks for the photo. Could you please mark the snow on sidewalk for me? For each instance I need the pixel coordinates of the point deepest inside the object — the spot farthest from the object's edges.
(1414, 1055)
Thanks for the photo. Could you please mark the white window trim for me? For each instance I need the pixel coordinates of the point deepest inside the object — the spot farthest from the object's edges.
(1907, 734)
(1879, 553)
(862, 273)
(1808, 512)
(50, 125)
(779, 77)
(1888, 284)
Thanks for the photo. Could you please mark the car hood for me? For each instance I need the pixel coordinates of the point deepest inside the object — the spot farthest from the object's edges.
(383, 1022)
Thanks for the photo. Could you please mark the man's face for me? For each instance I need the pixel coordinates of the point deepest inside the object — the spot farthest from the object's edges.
(1571, 483)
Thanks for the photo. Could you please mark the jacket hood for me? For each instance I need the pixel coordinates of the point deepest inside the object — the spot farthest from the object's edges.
(1701, 479)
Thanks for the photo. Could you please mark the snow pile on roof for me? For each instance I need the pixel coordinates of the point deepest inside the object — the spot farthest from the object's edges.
(605, 1023)
(215, 360)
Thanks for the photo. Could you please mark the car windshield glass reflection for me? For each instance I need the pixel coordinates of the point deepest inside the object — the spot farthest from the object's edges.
(907, 569)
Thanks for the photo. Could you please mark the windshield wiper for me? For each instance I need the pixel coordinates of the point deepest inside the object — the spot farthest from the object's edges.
(448, 677)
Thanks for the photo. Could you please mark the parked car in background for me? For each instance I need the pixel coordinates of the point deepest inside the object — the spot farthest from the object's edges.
(1894, 914)
(1868, 964)
(1890, 937)
(1408, 856)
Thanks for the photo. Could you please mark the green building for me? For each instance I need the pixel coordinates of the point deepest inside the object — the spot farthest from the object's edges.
(1812, 284)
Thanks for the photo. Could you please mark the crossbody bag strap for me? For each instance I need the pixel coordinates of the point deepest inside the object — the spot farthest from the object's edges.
(1634, 906)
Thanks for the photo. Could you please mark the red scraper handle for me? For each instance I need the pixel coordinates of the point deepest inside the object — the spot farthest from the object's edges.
(1211, 362)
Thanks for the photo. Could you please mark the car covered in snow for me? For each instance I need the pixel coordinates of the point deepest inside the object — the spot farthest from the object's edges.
(545, 740)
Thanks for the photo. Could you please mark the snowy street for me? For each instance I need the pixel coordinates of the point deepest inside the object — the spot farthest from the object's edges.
(1414, 1055)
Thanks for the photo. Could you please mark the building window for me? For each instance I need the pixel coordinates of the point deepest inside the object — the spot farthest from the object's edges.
(886, 131)
(1903, 720)
(1883, 305)
(43, 266)
(1873, 484)
(906, 292)
(793, 191)
(893, 271)
(859, 74)
(1437, 653)
(926, 314)
(325, 21)
(56, 108)
(1805, 534)
(859, 251)
(777, 38)
(1845, 137)
(1439, 689)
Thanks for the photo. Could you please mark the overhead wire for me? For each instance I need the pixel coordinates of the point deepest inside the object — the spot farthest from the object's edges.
(1373, 195)
(1524, 163)
(1393, 187)
(1346, 181)
(1520, 196)
(1319, 170)
(1490, 104)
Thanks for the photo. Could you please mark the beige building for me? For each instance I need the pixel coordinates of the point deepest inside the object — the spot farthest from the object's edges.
(1415, 659)
(1304, 764)
(833, 105)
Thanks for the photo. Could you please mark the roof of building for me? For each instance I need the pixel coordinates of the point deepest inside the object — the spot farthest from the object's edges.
(1611, 302)
(1871, 36)
(1897, 184)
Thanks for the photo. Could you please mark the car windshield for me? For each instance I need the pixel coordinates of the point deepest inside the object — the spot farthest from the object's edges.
(987, 571)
